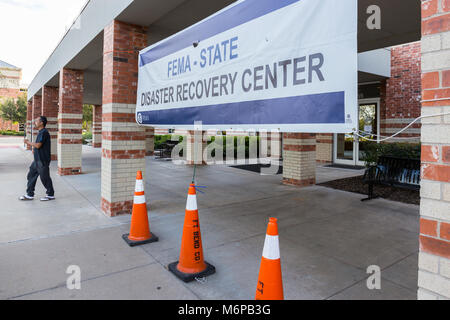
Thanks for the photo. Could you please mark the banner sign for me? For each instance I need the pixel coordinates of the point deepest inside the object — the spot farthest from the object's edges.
(257, 64)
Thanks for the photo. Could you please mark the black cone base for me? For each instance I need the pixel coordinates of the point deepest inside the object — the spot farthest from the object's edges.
(132, 243)
(188, 277)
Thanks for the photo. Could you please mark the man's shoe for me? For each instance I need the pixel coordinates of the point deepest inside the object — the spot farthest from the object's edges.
(48, 198)
(26, 198)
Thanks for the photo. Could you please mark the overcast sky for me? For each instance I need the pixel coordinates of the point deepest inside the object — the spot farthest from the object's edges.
(31, 29)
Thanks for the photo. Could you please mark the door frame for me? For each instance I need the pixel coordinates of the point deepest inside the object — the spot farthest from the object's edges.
(356, 161)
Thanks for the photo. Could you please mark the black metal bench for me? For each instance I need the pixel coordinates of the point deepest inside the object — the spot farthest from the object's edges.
(395, 172)
(165, 152)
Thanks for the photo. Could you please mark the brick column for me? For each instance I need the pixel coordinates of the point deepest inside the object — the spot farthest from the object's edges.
(37, 112)
(196, 145)
(161, 131)
(149, 141)
(50, 108)
(123, 141)
(270, 144)
(70, 118)
(400, 101)
(324, 147)
(299, 159)
(434, 255)
(97, 127)
(29, 121)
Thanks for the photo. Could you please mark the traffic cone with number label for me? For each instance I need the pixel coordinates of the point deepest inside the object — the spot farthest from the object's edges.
(270, 283)
(139, 230)
(191, 264)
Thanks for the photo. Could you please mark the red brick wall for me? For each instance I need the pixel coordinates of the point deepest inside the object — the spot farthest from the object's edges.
(97, 127)
(122, 43)
(9, 93)
(149, 141)
(71, 91)
(37, 106)
(50, 100)
(29, 120)
(50, 108)
(36, 112)
(400, 103)
(70, 121)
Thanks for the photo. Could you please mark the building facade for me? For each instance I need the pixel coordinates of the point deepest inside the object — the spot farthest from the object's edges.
(386, 106)
(10, 88)
(97, 64)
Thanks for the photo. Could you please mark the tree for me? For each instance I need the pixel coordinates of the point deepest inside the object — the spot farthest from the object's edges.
(14, 110)
(87, 116)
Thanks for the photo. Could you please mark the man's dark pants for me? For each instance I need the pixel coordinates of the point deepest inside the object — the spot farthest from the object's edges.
(42, 170)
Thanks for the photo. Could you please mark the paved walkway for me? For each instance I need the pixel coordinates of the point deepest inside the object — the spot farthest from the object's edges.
(328, 238)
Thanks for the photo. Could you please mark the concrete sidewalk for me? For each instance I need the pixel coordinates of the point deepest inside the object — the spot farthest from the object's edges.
(328, 238)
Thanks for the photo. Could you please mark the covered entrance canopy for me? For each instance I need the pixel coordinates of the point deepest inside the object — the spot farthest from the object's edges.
(82, 46)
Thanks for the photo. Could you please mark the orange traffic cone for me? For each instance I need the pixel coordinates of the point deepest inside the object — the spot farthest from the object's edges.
(191, 264)
(270, 284)
(139, 230)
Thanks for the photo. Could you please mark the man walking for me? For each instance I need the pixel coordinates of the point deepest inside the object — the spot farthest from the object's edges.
(41, 163)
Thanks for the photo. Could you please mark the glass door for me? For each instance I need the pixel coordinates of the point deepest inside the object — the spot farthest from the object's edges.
(368, 128)
(344, 148)
(347, 149)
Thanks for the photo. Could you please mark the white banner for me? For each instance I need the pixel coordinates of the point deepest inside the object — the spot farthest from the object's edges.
(260, 64)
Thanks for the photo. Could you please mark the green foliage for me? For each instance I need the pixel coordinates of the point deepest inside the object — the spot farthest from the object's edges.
(226, 143)
(237, 140)
(160, 139)
(14, 110)
(87, 135)
(88, 112)
(12, 133)
(399, 150)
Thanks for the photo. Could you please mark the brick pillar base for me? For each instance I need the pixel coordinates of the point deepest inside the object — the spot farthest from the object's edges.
(69, 171)
(299, 159)
(149, 141)
(116, 208)
(324, 147)
(70, 121)
(195, 147)
(270, 144)
(97, 127)
(123, 154)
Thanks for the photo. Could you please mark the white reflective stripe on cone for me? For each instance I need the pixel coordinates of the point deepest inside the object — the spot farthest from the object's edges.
(191, 203)
(271, 249)
(139, 186)
(139, 199)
